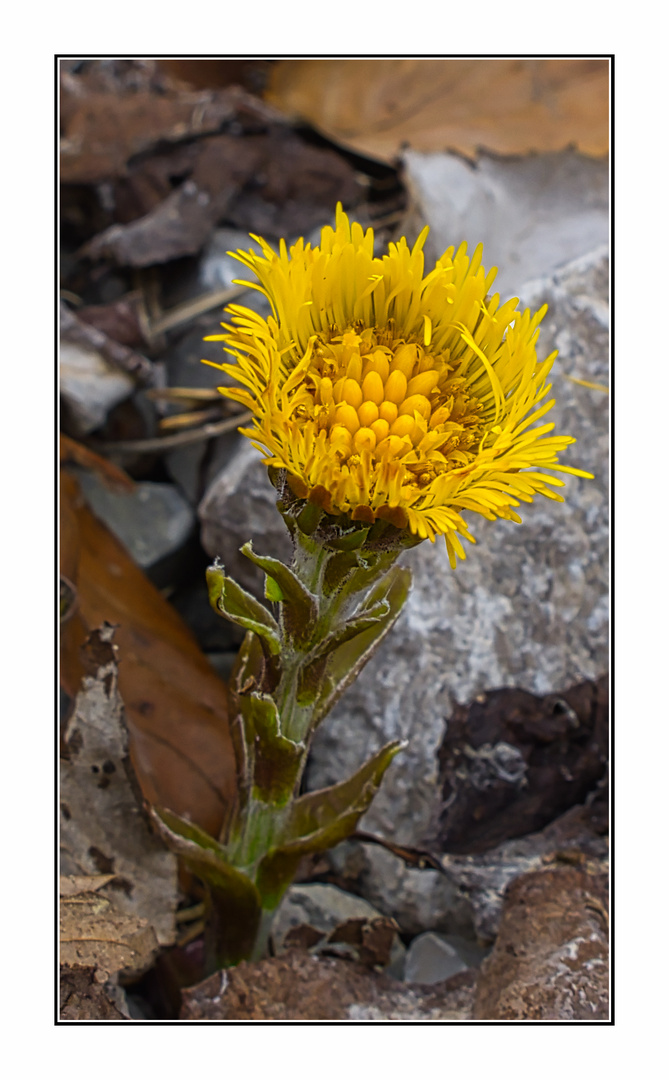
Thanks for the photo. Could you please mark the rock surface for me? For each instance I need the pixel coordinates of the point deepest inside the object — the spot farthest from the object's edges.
(550, 960)
(218, 269)
(528, 608)
(576, 838)
(532, 214)
(89, 386)
(298, 986)
(431, 958)
(153, 521)
(241, 504)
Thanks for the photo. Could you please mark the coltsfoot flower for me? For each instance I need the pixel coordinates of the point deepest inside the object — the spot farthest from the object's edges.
(389, 394)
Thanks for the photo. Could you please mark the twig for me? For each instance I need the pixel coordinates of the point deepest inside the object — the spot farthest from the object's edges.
(169, 442)
(190, 309)
(183, 393)
(412, 857)
(81, 333)
(188, 419)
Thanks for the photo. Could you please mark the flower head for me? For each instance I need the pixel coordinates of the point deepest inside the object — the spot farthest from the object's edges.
(389, 394)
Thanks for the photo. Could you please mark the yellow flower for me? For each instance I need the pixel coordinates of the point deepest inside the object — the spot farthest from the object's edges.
(388, 394)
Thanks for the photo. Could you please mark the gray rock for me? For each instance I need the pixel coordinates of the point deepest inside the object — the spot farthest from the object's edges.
(418, 900)
(431, 958)
(528, 608)
(153, 521)
(193, 467)
(241, 505)
(485, 878)
(217, 269)
(532, 214)
(90, 386)
(183, 359)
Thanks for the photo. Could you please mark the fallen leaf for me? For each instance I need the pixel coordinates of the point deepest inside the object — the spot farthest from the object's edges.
(175, 704)
(119, 321)
(303, 936)
(76, 884)
(205, 74)
(181, 223)
(82, 997)
(94, 934)
(511, 762)
(78, 454)
(272, 183)
(379, 106)
(103, 131)
(83, 334)
(102, 824)
(371, 940)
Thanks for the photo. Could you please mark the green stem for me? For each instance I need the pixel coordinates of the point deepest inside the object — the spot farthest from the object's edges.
(277, 751)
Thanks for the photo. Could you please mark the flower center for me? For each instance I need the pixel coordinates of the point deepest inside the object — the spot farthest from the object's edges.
(374, 392)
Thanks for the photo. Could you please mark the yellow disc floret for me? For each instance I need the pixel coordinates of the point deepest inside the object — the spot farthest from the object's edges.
(390, 394)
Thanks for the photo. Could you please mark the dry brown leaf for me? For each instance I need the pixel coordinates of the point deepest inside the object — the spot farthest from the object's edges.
(102, 131)
(175, 704)
(75, 884)
(75, 452)
(93, 934)
(79, 332)
(379, 106)
(82, 997)
(118, 321)
(205, 74)
(102, 825)
(272, 182)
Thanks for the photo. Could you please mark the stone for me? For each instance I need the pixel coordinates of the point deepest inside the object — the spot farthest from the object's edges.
(153, 522)
(432, 958)
(532, 214)
(575, 838)
(217, 269)
(89, 387)
(528, 608)
(550, 960)
(240, 505)
(299, 986)
(194, 466)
